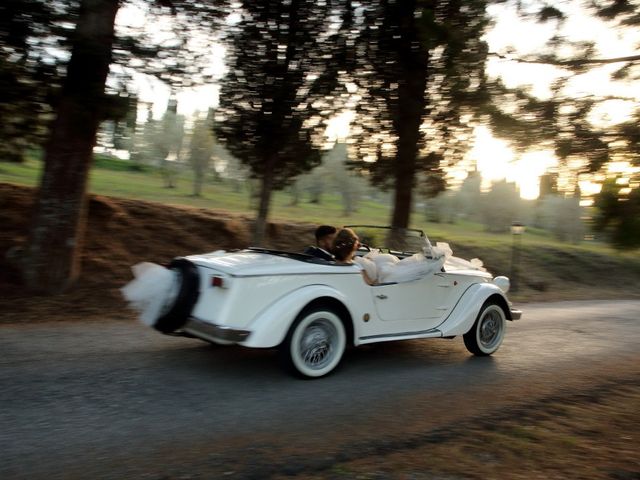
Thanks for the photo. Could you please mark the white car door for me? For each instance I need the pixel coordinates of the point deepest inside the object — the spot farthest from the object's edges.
(419, 304)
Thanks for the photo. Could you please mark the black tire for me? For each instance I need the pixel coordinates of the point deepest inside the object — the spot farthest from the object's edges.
(314, 344)
(176, 316)
(487, 333)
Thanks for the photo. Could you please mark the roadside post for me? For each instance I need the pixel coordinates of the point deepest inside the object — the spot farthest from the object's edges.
(517, 229)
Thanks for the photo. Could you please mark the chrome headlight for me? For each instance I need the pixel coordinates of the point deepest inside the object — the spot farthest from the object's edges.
(502, 283)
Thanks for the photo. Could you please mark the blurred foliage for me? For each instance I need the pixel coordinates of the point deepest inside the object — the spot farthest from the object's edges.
(36, 38)
(159, 143)
(420, 71)
(571, 123)
(619, 214)
(30, 75)
(274, 96)
(422, 87)
(565, 122)
(108, 162)
(166, 146)
(413, 71)
(229, 168)
(333, 177)
(419, 62)
(501, 205)
(563, 216)
(200, 154)
(117, 133)
(170, 45)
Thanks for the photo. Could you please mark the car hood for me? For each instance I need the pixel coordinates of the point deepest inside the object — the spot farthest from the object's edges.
(248, 263)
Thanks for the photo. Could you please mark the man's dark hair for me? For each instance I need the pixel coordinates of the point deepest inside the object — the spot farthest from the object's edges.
(324, 230)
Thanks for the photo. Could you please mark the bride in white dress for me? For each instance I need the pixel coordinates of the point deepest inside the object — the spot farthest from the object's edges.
(387, 268)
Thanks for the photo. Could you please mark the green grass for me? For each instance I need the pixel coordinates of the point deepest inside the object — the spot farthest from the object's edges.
(26, 173)
(149, 186)
(111, 177)
(111, 163)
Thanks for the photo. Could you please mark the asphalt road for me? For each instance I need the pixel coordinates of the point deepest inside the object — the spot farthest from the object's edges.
(119, 400)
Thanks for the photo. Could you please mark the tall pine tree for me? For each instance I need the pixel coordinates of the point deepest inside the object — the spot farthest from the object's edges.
(419, 69)
(274, 96)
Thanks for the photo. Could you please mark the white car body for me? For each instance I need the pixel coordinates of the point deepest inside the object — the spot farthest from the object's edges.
(254, 297)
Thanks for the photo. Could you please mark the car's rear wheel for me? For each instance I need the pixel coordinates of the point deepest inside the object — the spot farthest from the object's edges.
(314, 344)
(487, 333)
(177, 312)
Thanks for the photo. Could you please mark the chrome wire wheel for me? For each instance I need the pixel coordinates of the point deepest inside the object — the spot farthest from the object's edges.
(487, 333)
(490, 328)
(316, 343)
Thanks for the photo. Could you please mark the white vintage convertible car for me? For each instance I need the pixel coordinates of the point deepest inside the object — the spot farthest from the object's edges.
(311, 309)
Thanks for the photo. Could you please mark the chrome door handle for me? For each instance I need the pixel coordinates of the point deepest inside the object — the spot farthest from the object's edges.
(382, 297)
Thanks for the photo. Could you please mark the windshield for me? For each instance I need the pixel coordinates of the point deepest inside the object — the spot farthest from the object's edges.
(405, 241)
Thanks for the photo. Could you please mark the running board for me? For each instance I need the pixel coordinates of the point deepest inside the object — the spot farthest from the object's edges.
(390, 337)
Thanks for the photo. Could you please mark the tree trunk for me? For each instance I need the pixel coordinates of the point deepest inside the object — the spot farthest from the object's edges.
(405, 168)
(52, 260)
(347, 201)
(168, 175)
(411, 108)
(198, 179)
(263, 207)
(403, 191)
(406, 159)
(295, 195)
(254, 188)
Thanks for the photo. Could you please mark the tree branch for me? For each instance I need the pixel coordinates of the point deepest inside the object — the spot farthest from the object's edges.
(570, 63)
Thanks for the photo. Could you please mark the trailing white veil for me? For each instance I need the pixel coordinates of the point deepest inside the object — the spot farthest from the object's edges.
(153, 287)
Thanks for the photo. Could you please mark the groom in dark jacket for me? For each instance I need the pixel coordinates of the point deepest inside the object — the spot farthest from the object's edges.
(324, 241)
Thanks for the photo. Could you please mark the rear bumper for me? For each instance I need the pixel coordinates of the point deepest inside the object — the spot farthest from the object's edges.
(210, 331)
(516, 314)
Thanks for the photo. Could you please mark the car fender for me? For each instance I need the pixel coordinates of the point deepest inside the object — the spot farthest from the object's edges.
(270, 326)
(466, 311)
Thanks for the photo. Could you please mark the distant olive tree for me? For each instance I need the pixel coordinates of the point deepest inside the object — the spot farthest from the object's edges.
(201, 151)
(562, 216)
(332, 176)
(167, 145)
(500, 207)
(229, 169)
(618, 214)
(443, 208)
(469, 196)
(350, 185)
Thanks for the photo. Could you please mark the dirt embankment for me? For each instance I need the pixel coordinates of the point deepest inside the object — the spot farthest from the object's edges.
(121, 233)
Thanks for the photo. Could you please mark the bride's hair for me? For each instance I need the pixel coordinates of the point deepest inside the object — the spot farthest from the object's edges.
(343, 243)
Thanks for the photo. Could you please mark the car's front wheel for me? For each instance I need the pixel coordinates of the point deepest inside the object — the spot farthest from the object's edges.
(314, 344)
(487, 332)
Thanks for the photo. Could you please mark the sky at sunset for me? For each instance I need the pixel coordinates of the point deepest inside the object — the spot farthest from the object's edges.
(493, 157)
